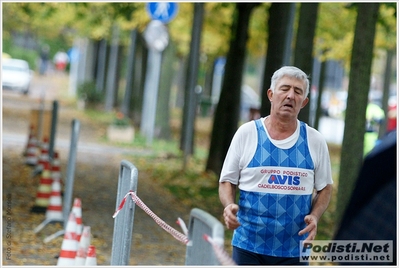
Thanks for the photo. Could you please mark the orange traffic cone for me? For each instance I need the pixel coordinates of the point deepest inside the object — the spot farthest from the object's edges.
(56, 167)
(54, 209)
(91, 259)
(31, 158)
(77, 210)
(44, 190)
(30, 137)
(84, 244)
(69, 244)
(44, 156)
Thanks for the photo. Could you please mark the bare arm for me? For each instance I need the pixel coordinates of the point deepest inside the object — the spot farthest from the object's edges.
(320, 204)
(227, 193)
(227, 196)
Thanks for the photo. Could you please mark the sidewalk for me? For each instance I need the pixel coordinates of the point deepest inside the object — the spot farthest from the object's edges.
(16, 110)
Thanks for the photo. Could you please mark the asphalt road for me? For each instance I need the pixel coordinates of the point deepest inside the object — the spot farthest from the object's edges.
(95, 183)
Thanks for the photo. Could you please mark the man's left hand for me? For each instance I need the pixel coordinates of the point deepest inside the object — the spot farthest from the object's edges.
(311, 228)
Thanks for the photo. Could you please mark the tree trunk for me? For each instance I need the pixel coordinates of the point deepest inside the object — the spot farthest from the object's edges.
(228, 109)
(358, 89)
(111, 89)
(277, 24)
(140, 65)
(129, 73)
(188, 120)
(320, 90)
(304, 46)
(162, 125)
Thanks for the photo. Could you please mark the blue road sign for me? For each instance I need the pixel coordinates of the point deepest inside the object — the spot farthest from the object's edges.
(162, 11)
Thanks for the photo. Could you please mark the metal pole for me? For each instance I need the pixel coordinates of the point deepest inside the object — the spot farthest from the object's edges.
(199, 251)
(53, 129)
(123, 224)
(151, 94)
(71, 170)
(157, 39)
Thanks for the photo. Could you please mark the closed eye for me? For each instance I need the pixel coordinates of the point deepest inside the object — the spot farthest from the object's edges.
(297, 90)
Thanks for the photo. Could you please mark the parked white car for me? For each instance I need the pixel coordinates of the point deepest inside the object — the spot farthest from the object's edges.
(15, 75)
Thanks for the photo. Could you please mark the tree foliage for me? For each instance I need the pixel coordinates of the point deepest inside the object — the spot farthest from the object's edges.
(334, 32)
(386, 35)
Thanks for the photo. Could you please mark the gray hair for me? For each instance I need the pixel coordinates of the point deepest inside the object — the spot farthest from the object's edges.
(290, 71)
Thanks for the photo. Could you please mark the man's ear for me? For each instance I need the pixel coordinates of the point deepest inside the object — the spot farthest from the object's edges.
(305, 101)
(270, 94)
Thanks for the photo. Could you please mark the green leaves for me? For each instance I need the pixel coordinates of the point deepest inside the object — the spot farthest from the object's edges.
(50, 20)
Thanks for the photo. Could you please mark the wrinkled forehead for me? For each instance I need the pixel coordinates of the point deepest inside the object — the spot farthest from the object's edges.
(291, 81)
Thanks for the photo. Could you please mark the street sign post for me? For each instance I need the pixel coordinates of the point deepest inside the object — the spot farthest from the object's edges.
(162, 11)
(157, 39)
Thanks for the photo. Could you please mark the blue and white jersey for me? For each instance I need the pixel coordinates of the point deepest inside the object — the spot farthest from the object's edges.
(276, 179)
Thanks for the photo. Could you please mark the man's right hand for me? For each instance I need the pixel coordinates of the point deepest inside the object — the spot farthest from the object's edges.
(230, 216)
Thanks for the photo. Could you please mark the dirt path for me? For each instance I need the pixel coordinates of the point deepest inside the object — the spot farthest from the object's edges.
(96, 178)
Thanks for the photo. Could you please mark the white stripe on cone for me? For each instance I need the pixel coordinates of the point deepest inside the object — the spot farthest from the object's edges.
(84, 244)
(91, 259)
(69, 244)
(80, 259)
(54, 209)
(44, 156)
(56, 167)
(44, 190)
(77, 210)
(32, 152)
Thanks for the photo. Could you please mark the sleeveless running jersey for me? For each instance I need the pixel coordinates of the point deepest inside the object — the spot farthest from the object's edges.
(272, 211)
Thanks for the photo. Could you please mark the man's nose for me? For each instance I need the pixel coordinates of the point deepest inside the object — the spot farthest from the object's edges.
(291, 93)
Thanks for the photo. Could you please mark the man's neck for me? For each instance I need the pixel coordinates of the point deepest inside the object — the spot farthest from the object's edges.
(280, 129)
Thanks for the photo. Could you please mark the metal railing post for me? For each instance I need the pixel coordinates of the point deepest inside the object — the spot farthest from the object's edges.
(53, 130)
(123, 224)
(199, 251)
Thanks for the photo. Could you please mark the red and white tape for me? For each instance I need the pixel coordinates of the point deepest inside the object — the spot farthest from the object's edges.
(223, 257)
(176, 234)
(182, 225)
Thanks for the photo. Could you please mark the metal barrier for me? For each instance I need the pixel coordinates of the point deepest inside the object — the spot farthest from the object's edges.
(123, 224)
(199, 251)
(53, 130)
(204, 237)
(70, 176)
(69, 180)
